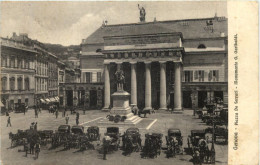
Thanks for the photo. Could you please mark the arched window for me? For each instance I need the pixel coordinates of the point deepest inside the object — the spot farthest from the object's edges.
(201, 46)
(20, 83)
(4, 83)
(27, 84)
(12, 83)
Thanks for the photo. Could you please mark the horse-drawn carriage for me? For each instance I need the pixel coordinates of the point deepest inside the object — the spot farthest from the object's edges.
(61, 136)
(20, 107)
(198, 147)
(45, 136)
(153, 145)
(113, 133)
(132, 140)
(93, 133)
(174, 142)
(17, 138)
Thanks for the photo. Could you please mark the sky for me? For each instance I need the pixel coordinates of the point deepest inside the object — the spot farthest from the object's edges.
(67, 23)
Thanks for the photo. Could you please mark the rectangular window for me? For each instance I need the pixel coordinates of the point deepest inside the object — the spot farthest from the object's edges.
(213, 75)
(188, 76)
(98, 76)
(201, 75)
(4, 61)
(19, 63)
(88, 77)
(12, 62)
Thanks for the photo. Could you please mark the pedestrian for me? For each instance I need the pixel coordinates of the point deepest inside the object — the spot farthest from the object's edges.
(37, 149)
(67, 119)
(9, 122)
(36, 113)
(77, 114)
(35, 126)
(106, 141)
(56, 113)
(84, 110)
(77, 120)
(64, 112)
(39, 108)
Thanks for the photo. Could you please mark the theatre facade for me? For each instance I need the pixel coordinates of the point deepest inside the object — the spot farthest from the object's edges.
(179, 64)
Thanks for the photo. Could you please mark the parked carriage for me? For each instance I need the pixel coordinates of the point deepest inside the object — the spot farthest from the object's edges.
(64, 129)
(131, 140)
(174, 142)
(113, 133)
(197, 143)
(20, 108)
(93, 133)
(45, 136)
(153, 145)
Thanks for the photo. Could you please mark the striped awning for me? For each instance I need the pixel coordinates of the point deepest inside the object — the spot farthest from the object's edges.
(57, 98)
(47, 100)
(52, 99)
(43, 101)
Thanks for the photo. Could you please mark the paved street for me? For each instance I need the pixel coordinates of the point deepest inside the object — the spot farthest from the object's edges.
(185, 122)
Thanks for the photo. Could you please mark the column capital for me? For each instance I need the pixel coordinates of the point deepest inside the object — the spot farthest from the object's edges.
(162, 62)
(106, 63)
(119, 62)
(133, 62)
(147, 62)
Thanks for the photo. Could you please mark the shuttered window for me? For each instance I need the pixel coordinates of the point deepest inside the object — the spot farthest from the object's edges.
(188, 76)
(98, 76)
(213, 76)
(201, 75)
(88, 77)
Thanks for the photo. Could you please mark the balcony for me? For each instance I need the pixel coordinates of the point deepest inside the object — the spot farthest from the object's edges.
(17, 91)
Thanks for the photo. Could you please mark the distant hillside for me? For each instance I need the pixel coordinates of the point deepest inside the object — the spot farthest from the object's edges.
(63, 52)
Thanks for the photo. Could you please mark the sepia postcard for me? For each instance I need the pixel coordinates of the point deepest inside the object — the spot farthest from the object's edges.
(129, 82)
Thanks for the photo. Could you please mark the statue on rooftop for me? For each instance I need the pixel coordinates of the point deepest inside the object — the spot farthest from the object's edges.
(142, 13)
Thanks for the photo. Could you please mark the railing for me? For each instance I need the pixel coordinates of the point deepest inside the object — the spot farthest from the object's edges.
(16, 91)
(7, 42)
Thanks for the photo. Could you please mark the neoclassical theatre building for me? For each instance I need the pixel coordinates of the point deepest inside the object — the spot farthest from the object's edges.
(180, 63)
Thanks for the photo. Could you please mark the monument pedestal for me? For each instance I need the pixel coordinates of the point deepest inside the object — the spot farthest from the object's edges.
(121, 107)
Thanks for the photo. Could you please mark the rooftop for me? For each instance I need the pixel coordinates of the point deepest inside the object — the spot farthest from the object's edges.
(190, 29)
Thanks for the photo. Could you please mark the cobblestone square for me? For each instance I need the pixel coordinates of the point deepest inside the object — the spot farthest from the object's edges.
(185, 122)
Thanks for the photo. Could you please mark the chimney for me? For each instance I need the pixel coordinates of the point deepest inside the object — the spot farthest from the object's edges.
(14, 34)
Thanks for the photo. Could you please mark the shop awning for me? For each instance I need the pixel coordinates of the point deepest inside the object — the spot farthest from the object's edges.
(1, 104)
(52, 99)
(42, 100)
(57, 98)
(47, 100)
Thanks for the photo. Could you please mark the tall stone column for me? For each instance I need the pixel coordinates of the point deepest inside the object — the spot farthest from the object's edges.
(148, 91)
(133, 84)
(7, 82)
(23, 85)
(107, 87)
(163, 105)
(16, 83)
(177, 88)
